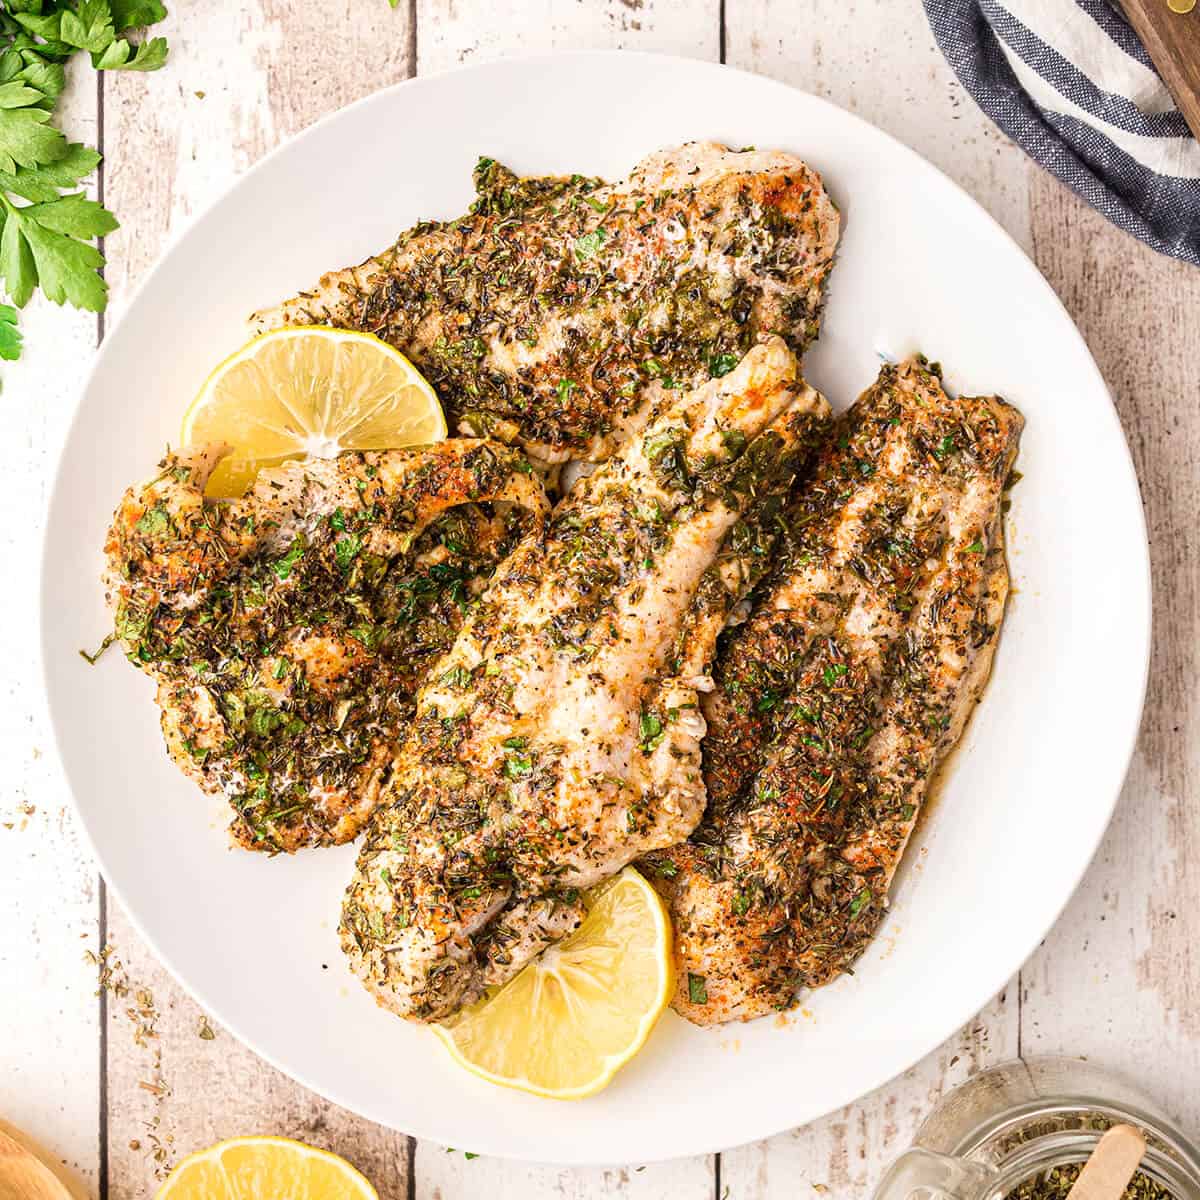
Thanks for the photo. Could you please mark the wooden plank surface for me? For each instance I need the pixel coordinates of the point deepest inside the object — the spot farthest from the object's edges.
(49, 1020)
(453, 32)
(1118, 978)
(241, 79)
(1115, 978)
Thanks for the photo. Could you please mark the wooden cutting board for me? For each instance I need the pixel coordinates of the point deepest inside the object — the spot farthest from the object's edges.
(1173, 42)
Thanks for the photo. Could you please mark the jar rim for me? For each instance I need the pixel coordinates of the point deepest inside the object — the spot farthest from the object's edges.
(1170, 1157)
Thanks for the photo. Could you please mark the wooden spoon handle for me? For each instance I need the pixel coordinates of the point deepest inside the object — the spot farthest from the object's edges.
(28, 1171)
(1106, 1175)
(23, 1177)
(1173, 42)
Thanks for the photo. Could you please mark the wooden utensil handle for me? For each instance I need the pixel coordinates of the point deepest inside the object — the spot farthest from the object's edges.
(1173, 42)
(1106, 1175)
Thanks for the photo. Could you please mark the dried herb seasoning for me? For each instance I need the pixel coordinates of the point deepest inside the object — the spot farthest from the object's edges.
(1056, 1184)
(831, 705)
(288, 636)
(556, 308)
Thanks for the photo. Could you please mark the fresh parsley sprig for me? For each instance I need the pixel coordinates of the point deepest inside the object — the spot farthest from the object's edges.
(47, 227)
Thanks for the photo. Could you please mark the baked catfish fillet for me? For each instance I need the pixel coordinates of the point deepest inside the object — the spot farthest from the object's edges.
(560, 737)
(288, 630)
(558, 310)
(866, 649)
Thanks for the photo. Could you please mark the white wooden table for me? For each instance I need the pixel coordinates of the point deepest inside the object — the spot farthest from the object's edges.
(1118, 979)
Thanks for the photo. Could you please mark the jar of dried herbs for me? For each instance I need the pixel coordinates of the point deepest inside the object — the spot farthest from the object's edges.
(1057, 1182)
(1023, 1130)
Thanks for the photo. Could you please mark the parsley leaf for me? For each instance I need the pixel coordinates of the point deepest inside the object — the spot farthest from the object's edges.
(41, 184)
(88, 28)
(650, 729)
(10, 335)
(153, 520)
(283, 566)
(721, 364)
(345, 550)
(833, 673)
(135, 14)
(369, 635)
(588, 246)
(518, 766)
(50, 237)
(46, 223)
(945, 447)
(26, 137)
(16, 262)
(120, 55)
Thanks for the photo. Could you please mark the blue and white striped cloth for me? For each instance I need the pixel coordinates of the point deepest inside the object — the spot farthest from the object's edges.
(1070, 82)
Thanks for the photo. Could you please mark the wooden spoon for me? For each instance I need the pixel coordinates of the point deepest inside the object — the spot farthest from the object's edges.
(25, 1173)
(1106, 1175)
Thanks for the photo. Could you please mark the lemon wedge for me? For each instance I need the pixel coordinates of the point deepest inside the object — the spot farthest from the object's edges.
(572, 1018)
(310, 391)
(268, 1167)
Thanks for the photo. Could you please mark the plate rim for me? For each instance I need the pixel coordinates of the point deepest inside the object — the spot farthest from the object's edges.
(995, 982)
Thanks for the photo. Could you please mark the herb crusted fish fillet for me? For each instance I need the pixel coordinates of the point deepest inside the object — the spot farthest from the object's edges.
(559, 738)
(866, 650)
(559, 310)
(288, 630)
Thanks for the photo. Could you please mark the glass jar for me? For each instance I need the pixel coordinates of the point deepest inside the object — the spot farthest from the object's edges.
(1014, 1121)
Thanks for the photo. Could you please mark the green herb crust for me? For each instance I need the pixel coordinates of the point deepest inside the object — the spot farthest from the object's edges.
(288, 631)
(557, 309)
(853, 676)
(559, 737)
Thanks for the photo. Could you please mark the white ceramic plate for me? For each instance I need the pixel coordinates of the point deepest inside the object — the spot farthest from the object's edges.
(921, 267)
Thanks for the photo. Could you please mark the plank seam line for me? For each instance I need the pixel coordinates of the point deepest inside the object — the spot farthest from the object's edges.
(100, 323)
(412, 39)
(102, 992)
(1020, 1000)
(101, 890)
(410, 1183)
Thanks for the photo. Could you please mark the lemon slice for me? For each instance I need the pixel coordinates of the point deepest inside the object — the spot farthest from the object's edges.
(311, 391)
(571, 1019)
(248, 1168)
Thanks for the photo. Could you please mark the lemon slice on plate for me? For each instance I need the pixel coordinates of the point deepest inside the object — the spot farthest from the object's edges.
(571, 1019)
(248, 1168)
(310, 391)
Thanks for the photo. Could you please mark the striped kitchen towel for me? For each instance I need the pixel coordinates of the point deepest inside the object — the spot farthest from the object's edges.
(1070, 82)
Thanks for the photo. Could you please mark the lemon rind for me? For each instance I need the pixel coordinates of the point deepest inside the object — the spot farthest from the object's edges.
(613, 1062)
(247, 352)
(214, 1152)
